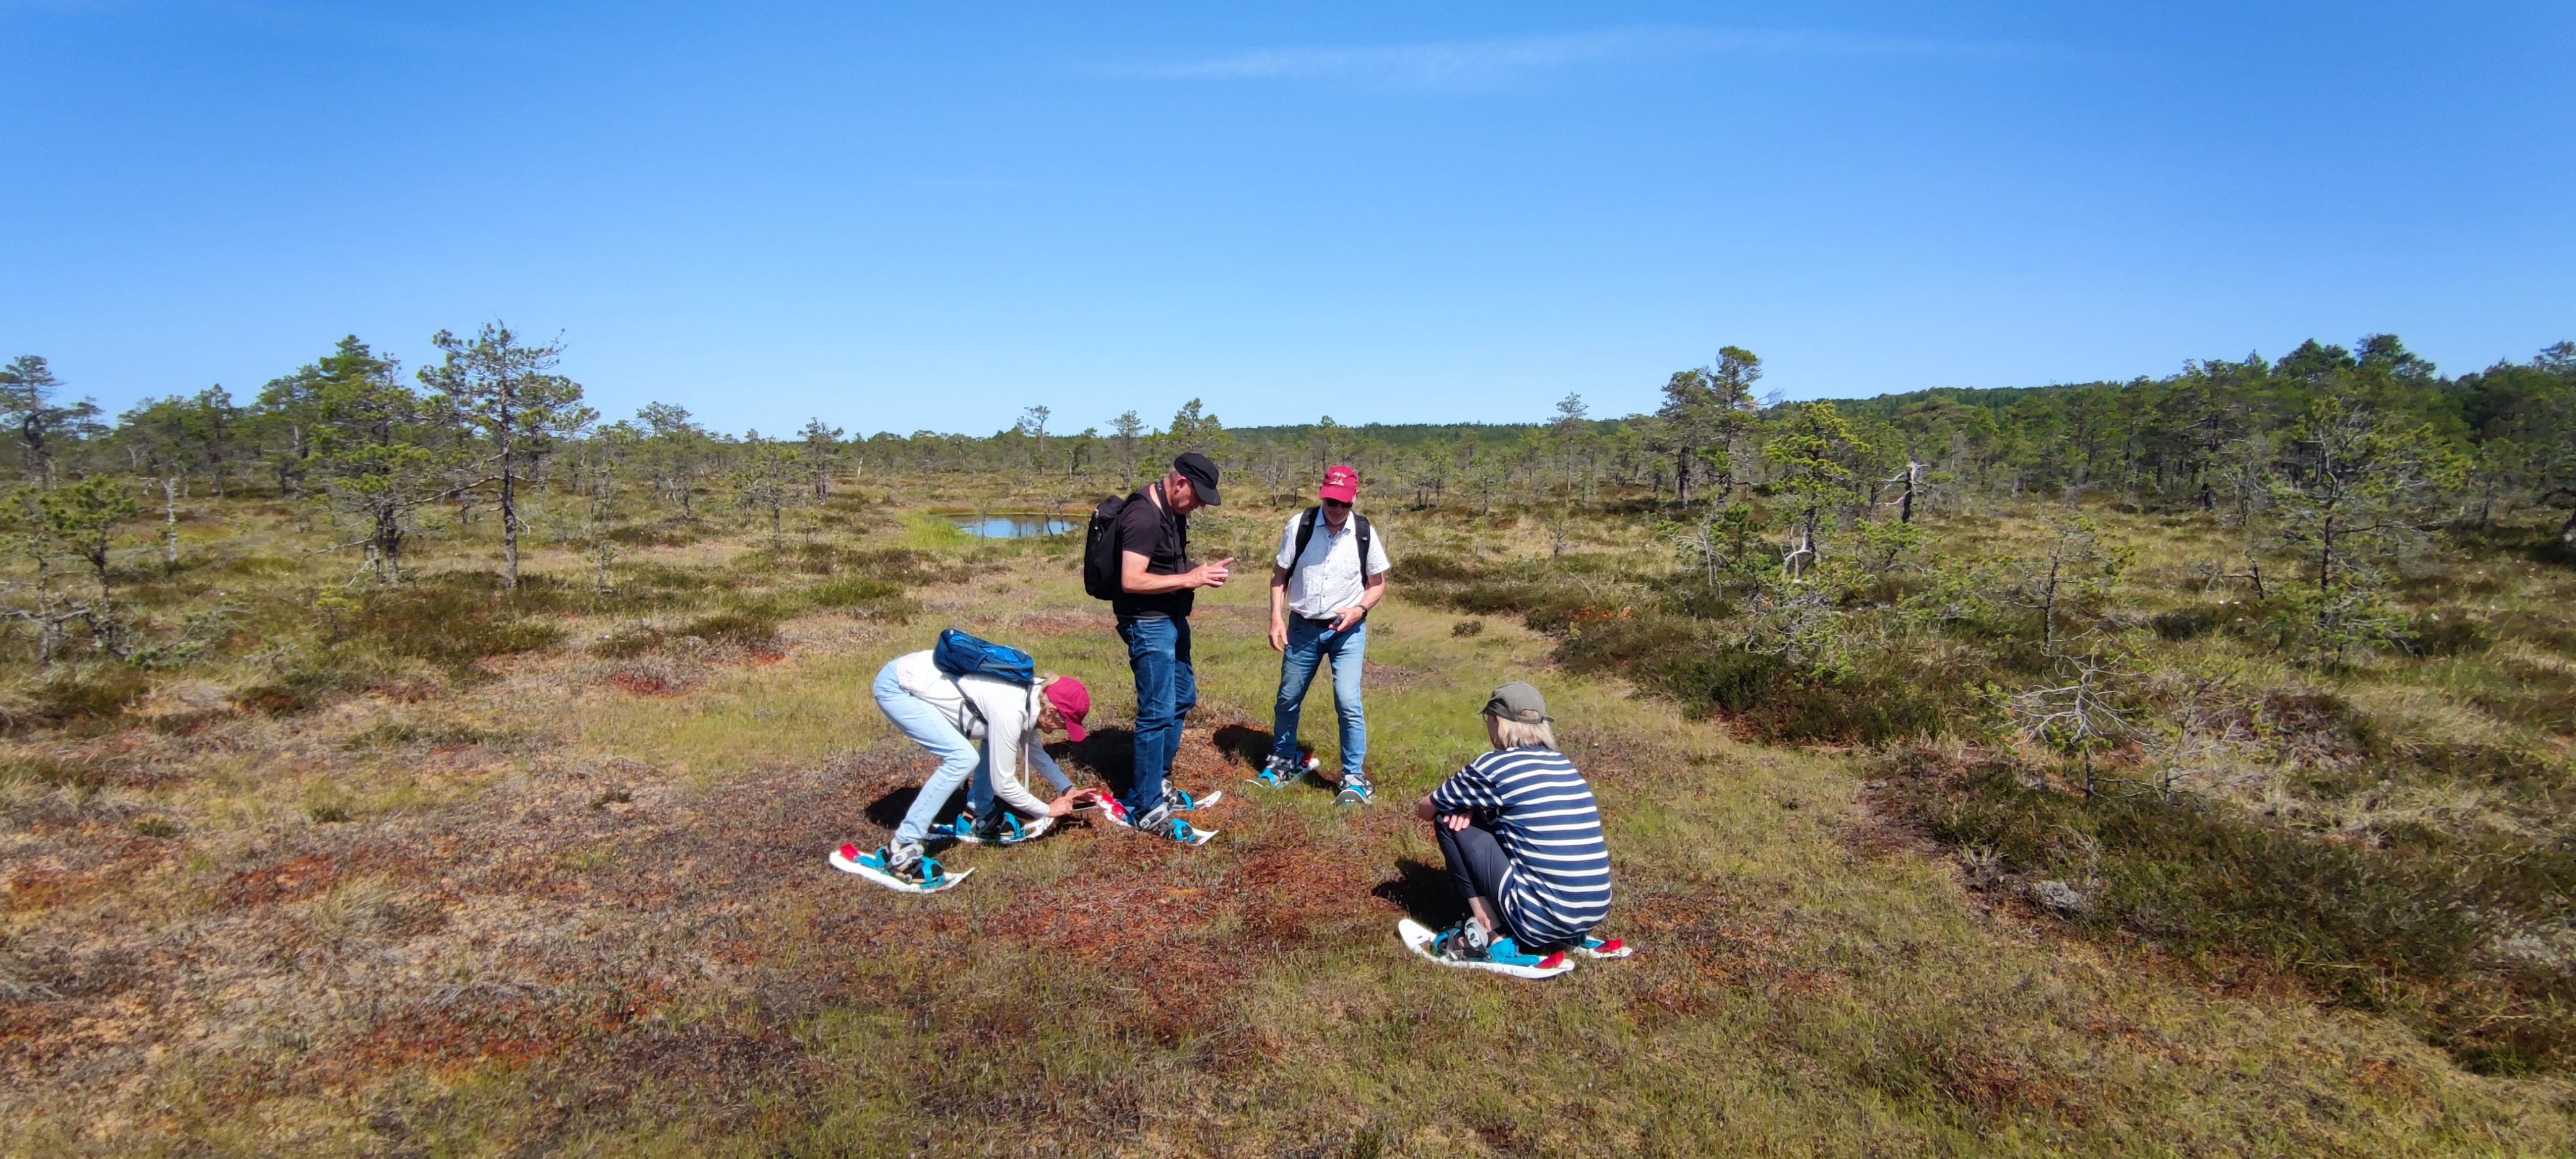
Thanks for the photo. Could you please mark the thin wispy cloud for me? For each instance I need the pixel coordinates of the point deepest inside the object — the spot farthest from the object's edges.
(1475, 63)
(1015, 185)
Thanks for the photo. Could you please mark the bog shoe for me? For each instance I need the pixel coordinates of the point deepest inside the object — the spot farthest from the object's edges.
(901, 868)
(1465, 942)
(1160, 821)
(1356, 790)
(903, 862)
(1006, 829)
(1469, 945)
(1598, 949)
(1282, 772)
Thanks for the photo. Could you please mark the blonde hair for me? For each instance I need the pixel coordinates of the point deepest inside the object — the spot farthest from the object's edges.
(1514, 734)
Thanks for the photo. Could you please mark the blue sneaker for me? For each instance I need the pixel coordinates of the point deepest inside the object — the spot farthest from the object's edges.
(1356, 790)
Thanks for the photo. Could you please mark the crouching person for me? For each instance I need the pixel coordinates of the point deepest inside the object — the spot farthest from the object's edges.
(1521, 836)
(949, 714)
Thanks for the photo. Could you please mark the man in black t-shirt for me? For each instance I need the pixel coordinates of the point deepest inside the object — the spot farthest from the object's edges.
(1157, 584)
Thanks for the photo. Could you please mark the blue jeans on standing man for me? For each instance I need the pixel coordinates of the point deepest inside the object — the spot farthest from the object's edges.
(1310, 643)
(1158, 652)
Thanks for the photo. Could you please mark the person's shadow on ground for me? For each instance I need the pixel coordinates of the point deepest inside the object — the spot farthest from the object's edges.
(1245, 744)
(887, 811)
(1424, 891)
(1110, 754)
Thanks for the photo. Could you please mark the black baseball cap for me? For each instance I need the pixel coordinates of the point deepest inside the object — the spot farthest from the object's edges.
(1201, 472)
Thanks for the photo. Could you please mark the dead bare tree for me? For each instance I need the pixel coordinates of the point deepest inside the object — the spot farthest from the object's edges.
(2077, 566)
(2077, 717)
(1912, 478)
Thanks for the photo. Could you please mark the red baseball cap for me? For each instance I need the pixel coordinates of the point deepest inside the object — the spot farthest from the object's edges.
(1341, 485)
(1073, 700)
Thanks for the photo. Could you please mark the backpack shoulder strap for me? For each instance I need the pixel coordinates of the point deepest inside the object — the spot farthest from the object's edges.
(1364, 545)
(1305, 535)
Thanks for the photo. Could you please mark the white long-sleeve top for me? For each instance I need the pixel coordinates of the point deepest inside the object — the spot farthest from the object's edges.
(1004, 717)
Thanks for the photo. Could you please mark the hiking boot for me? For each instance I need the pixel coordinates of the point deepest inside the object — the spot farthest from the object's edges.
(1356, 790)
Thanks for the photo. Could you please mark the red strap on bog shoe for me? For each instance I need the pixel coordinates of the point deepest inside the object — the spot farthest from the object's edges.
(1612, 946)
(1552, 961)
(850, 851)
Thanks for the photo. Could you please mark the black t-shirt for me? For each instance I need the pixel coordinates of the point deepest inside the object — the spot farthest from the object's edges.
(1163, 538)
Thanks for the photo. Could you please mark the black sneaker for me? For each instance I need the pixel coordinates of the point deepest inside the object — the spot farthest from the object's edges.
(1007, 829)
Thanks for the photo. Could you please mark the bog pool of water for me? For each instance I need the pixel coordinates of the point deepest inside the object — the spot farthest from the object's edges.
(1014, 526)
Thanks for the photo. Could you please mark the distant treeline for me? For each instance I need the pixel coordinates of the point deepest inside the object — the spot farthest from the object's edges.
(491, 416)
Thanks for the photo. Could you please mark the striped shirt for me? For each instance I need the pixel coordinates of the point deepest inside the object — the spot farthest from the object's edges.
(1543, 815)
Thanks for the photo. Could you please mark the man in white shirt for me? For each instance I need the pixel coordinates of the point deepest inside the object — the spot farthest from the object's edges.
(1321, 590)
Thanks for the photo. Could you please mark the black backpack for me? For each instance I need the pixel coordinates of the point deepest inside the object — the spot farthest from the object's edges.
(1101, 568)
(1306, 535)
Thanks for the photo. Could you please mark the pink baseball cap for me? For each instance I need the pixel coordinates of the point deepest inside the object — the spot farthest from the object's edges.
(1341, 485)
(1073, 700)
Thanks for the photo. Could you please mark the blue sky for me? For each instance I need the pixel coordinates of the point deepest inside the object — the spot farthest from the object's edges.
(898, 216)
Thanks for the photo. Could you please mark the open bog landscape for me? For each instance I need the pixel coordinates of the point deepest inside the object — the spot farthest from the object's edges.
(335, 862)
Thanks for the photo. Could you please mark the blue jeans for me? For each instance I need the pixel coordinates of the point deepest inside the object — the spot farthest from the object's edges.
(1158, 652)
(1310, 644)
(959, 758)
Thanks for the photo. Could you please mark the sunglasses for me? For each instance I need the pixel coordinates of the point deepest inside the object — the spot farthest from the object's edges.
(1335, 503)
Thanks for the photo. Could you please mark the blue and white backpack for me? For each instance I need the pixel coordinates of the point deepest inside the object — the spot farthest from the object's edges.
(958, 654)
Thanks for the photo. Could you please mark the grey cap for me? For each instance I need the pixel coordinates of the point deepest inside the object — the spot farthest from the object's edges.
(1518, 701)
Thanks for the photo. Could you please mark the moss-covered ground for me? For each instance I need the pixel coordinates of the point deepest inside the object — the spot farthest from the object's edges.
(545, 874)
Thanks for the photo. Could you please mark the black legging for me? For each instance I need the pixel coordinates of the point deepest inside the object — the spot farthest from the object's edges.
(1476, 866)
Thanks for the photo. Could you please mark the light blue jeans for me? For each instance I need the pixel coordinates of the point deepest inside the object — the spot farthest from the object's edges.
(1310, 644)
(959, 758)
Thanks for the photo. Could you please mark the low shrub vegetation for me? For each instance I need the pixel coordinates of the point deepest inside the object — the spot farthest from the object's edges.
(1977, 781)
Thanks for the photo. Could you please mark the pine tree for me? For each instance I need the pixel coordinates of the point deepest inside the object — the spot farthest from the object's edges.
(503, 388)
